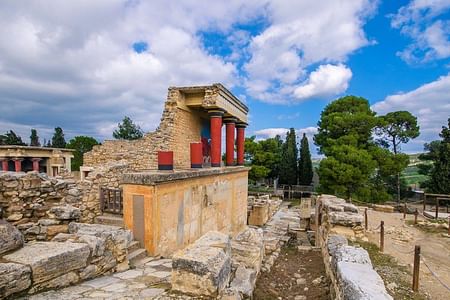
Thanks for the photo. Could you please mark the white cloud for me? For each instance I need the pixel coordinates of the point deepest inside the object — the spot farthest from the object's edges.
(430, 103)
(423, 21)
(272, 132)
(327, 80)
(71, 63)
(302, 34)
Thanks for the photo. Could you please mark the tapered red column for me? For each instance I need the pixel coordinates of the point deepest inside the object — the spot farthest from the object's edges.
(36, 164)
(230, 131)
(240, 143)
(4, 164)
(18, 164)
(216, 137)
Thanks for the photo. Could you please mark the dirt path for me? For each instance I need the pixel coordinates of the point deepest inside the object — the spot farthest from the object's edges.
(296, 275)
(400, 240)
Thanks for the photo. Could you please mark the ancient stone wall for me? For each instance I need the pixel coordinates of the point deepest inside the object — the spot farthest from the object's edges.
(178, 128)
(349, 268)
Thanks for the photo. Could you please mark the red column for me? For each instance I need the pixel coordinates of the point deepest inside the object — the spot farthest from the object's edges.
(240, 143)
(4, 164)
(216, 137)
(230, 129)
(36, 164)
(18, 164)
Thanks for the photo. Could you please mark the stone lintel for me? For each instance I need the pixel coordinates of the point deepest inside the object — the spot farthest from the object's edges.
(156, 177)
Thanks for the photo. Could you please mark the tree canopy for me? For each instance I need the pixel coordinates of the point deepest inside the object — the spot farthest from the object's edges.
(264, 157)
(58, 140)
(81, 145)
(127, 130)
(11, 138)
(289, 157)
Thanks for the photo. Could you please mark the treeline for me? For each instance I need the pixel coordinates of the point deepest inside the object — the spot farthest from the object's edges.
(277, 159)
(81, 144)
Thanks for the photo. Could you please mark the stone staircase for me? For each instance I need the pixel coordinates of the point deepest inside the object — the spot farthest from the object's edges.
(136, 254)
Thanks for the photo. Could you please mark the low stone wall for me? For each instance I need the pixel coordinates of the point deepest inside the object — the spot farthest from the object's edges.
(349, 268)
(87, 251)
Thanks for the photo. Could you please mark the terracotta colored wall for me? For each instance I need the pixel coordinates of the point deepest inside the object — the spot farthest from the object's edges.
(179, 212)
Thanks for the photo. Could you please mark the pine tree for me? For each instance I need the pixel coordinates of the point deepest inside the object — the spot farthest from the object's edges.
(11, 138)
(34, 138)
(305, 169)
(288, 170)
(128, 130)
(58, 140)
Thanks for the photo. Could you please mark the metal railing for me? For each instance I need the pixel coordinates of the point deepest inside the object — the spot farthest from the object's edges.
(111, 200)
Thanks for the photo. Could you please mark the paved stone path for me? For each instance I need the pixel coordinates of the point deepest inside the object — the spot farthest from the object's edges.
(149, 280)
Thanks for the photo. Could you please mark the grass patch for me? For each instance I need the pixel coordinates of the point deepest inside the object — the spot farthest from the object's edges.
(391, 272)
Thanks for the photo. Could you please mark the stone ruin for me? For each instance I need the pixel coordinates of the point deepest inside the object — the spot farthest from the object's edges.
(261, 209)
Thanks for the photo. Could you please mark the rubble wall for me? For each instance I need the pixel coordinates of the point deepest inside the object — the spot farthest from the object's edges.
(179, 127)
(178, 212)
(349, 268)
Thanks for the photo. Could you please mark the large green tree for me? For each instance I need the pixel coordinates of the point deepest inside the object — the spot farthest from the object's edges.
(345, 137)
(289, 157)
(264, 157)
(394, 129)
(81, 145)
(34, 138)
(58, 140)
(127, 130)
(438, 152)
(305, 170)
(11, 138)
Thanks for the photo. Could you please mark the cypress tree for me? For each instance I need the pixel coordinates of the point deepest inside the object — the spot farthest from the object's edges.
(34, 138)
(305, 169)
(58, 140)
(288, 170)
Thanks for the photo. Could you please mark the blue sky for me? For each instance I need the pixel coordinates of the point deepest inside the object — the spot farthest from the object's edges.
(83, 65)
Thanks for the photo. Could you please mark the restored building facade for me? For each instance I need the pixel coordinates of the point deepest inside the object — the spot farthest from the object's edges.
(40, 159)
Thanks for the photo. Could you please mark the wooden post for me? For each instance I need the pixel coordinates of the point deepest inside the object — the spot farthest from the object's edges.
(382, 236)
(448, 225)
(424, 201)
(365, 219)
(415, 284)
(437, 208)
(404, 211)
(415, 216)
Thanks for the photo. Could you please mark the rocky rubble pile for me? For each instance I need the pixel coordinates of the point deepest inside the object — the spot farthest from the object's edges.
(89, 250)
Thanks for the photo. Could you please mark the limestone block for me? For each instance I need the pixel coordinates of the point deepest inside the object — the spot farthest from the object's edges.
(345, 218)
(14, 278)
(10, 237)
(202, 269)
(58, 282)
(334, 242)
(55, 229)
(351, 254)
(65, 212)
(49, 260)
(259, 215)
(247, 249)
(360, 281)
(215, 239)
(350, 207)
(383, 208)
(244, 281)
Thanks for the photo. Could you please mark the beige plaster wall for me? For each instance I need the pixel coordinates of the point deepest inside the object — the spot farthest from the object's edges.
(179, 212)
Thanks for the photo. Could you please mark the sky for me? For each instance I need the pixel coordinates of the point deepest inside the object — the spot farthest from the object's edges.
(83, 65)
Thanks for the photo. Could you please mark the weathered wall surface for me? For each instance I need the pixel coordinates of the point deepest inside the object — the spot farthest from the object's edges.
(178, 128)
(349, 268)
(179, 212)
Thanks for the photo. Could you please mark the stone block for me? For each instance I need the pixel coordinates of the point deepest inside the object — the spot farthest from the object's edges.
(49, 260)
(201, 270)
(334, 242)
(64, 212)
(259, 215)
(55, 229)
(247, 249)
(360, 282)
(351, 254)
(55, 283)
(244, 281)
(14, 278)
(10, 237)
(383, 208)
(215, 239)
(345, 218)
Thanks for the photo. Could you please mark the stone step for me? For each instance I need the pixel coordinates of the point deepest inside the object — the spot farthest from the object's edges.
(136, 256)
(134, 245)
(113, 220)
